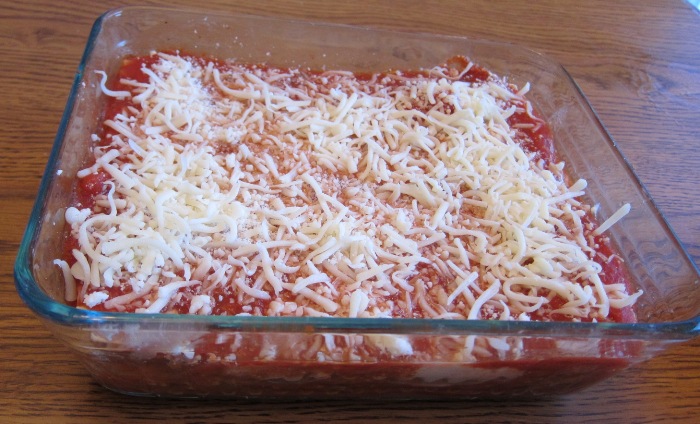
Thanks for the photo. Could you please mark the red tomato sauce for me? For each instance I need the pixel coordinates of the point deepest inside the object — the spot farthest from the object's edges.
(378, 381)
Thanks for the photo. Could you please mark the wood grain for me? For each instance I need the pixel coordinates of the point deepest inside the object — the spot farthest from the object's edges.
(638, 64)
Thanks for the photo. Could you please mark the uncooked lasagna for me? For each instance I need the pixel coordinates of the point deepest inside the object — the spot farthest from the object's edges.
(225, 188)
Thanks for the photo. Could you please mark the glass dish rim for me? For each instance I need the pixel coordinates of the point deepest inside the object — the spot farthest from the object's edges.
(43, 305)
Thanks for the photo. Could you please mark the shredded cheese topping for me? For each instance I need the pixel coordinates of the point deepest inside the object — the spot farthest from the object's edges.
(254, 190)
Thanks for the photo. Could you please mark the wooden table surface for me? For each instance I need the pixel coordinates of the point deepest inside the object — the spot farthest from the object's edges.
(637, 62)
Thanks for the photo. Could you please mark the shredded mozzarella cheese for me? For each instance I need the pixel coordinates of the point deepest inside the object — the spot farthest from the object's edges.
(339, 195)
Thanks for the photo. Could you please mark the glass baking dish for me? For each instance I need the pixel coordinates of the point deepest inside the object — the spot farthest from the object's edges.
(162, 354)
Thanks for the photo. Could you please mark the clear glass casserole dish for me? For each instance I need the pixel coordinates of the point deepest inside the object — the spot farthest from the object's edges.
(165, 354)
